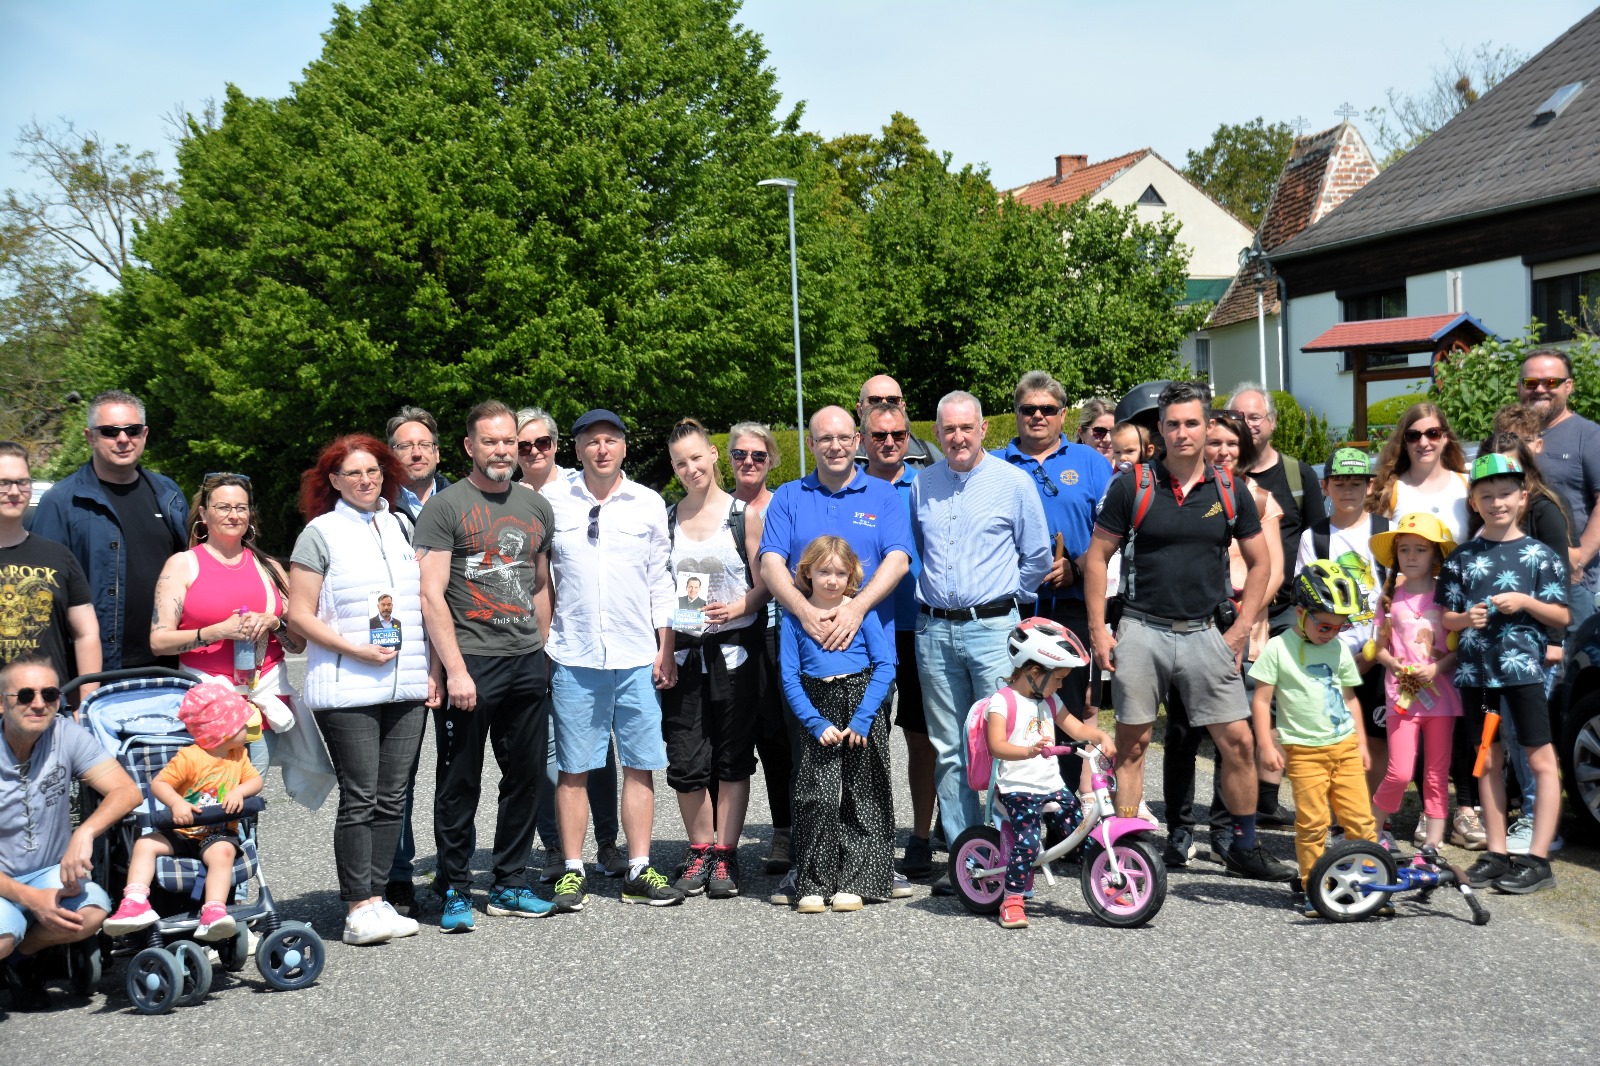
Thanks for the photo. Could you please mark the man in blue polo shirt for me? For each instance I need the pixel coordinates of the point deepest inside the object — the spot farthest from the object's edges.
(839, 499)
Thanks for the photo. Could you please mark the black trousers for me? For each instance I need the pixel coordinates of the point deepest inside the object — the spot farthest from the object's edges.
(512, 714)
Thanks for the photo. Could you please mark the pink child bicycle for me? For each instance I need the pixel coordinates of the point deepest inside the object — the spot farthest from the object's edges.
(1121, 873)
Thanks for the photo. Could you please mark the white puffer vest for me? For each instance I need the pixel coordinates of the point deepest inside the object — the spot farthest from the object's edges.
(366, 553)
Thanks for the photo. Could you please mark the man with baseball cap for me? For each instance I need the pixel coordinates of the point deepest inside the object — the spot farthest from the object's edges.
(612, 644)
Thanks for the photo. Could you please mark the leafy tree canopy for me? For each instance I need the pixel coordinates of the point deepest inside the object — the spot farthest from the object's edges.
(1240, 165)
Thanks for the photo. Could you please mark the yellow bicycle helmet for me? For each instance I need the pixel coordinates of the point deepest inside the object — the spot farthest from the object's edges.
(1323, 585)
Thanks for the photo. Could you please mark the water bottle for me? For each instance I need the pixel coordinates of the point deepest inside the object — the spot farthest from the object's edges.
(244, 653)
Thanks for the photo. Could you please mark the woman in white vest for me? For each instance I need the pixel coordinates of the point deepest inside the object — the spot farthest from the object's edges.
(355, 593)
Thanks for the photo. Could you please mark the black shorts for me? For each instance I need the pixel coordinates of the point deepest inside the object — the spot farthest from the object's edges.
(1372, 695)
(710, 736)
(1529, 711)
(909, 713)
(184, 847)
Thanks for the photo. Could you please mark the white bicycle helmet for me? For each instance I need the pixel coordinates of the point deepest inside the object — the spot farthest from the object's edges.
(1050, 644)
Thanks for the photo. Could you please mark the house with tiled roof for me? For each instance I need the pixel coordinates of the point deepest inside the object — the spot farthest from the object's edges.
(1244, 331)
(1496, 215)
(1155, 187)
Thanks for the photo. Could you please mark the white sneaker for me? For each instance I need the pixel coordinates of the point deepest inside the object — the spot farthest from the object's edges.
(1519, 838)
(811, 905)
(1146, 813)
(399, 924)
(366, 925)
(846, 901)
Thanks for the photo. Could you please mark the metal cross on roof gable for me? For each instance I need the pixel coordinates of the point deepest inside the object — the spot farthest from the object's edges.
(1345, 111)
(1299, 122)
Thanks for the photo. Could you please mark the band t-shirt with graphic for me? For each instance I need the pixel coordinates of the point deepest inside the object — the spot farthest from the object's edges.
(493, 539)
(1509, 651)
(39, 581)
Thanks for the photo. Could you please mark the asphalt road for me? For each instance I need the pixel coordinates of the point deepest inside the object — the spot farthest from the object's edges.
(1225, 973)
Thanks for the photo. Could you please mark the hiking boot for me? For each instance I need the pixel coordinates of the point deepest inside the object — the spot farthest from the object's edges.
(651, 888)
(1529, 873)
(696, 870)
(610, 860)
(1012, 916)
(1466, 830)
(570, 896)
(402, 896)
(518, 903)
(1489, 868)
(457, 914)
(724, 880)
(781, 854)
(1255, 864)
(25, 980)
(918, 860)
(1180, 846)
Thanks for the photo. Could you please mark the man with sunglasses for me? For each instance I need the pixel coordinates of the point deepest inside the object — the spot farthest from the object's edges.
(414, 439)
(885, 390)
(121, 522)
(46, 897)
(1570, 461)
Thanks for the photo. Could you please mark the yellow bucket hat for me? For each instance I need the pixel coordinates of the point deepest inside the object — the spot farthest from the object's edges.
(1418, 524)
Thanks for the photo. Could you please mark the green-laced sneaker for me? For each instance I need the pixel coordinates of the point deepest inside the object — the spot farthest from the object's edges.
(570, 896)
(650, 887)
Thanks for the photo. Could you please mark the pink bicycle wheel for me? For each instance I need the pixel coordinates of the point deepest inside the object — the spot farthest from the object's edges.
(1143, 889)
(978, 848)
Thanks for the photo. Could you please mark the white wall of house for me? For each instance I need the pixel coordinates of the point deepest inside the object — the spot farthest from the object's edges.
(1496, 293)
(1213, 236)
(1236, 354)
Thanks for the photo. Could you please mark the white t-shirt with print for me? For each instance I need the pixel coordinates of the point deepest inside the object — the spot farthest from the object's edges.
(1352, 549)
(1040, 774)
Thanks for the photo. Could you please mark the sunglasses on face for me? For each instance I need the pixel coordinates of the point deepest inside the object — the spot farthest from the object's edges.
(741, 455)
(896, 435)
(1028, 410)
(1432, 433)
(892, 401)
(528, 447)
(1550, 384)
(25, 696)
(134, 430)
(1099, 432)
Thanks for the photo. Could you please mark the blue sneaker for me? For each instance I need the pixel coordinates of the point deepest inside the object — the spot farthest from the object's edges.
(518, 903)
(457, 916)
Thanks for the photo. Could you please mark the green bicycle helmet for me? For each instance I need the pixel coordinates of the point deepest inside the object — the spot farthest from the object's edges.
(1325, 586)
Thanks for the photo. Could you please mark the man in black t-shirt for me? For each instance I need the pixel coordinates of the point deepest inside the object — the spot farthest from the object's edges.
(1170, 634)
(44, 598)
(121, 522)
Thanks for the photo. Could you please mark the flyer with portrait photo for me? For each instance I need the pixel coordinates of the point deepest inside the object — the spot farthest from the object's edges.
(382, 624)
(691, 586)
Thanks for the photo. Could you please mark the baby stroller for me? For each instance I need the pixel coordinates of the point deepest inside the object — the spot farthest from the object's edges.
(134, 714)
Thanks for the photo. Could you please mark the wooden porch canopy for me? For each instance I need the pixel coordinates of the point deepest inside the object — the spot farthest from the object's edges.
(1439, 334)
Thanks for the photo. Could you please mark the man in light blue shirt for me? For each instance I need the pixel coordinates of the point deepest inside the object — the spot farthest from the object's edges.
(984, 543)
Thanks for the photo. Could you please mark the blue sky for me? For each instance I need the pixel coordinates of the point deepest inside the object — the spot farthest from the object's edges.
(1009, 84)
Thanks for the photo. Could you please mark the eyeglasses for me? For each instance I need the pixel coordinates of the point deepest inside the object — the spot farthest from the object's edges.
(594, 522)
(843, 440)
(1252, 419)
(26, 695)
(1028, 410)
(415, 446)
(225, 473)
(891, 401)
(134, 430)
(1432, 433)
(1550, 384)
(528, 447)
(372, 473)
(896, 435)
(230, 508)
(1044, 481)
(1328, 627)
(741, 455)
(1099, 432)
(18, 483)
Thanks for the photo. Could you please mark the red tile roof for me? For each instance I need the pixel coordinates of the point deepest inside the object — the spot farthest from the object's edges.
(1082, 182)
(1423, 331)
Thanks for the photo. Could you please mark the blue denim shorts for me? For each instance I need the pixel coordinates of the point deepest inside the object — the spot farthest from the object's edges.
(591, 704)
(14, 919)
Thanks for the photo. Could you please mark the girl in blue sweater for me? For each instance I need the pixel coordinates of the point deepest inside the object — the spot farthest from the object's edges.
(844, 806)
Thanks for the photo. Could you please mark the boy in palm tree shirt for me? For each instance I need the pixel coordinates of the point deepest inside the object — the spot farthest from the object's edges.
(1500, 590)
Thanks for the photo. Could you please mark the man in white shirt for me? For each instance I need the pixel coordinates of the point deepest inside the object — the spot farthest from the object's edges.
(612, 643)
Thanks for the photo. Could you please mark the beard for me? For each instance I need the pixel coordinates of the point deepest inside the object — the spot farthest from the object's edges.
(499, 476)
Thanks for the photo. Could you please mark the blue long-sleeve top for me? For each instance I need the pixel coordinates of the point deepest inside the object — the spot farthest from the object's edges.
(799, 655)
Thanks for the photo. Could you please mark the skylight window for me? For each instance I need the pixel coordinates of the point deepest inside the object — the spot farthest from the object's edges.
(1558, 102)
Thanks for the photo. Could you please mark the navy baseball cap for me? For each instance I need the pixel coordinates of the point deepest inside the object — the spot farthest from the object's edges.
(598, 417)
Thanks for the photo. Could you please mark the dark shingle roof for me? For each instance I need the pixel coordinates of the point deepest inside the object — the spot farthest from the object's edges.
(1492, 157)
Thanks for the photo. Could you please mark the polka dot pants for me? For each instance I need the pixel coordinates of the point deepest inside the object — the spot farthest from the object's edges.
(844, 805)
(1026, 814)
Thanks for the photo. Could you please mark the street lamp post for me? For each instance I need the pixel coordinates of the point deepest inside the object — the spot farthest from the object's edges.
(1253, 257)
(794, 292)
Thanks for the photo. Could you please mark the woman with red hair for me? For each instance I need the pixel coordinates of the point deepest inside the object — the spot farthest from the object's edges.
(355, 593)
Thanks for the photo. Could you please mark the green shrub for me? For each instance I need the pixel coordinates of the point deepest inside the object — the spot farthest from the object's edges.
(1388, 412)
(1471, 386)
(1295, 435)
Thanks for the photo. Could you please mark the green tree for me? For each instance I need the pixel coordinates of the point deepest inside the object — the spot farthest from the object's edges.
(546, 202)
(1409, 118)
(1240, 165)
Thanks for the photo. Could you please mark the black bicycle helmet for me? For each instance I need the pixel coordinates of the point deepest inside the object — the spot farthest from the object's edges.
(1143, 405)
(1324, 586)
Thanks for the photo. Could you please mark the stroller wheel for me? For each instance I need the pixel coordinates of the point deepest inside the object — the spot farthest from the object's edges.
(194, 967)
(154, 983)
(291, 956)
(83, 966)
(1336, 884)
(235, 951)
(978, 848)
